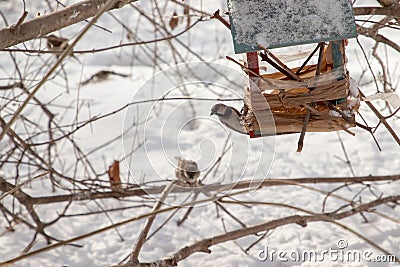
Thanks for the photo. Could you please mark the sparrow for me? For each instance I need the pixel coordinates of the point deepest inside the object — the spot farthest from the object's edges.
(229, 116)
(187, 171)
(56, 44)
(102, 76)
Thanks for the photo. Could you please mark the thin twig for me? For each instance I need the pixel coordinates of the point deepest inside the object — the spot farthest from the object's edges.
(282, 65)
(17, 187)
(143, 234)
(308, 59)
(348, 162)
(303, 131)
(217, 16)
(382, 119)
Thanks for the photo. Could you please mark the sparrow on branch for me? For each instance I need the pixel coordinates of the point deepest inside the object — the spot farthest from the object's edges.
(187, 171)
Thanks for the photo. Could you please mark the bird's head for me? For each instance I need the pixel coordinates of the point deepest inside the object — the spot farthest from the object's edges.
(220, 110)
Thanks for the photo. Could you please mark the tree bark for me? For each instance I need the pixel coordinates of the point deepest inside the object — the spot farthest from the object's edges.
(138, 191)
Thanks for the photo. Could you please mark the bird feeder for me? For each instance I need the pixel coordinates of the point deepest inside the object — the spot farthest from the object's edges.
(310, 97)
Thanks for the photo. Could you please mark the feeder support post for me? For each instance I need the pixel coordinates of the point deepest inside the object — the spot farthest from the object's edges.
(252, 64)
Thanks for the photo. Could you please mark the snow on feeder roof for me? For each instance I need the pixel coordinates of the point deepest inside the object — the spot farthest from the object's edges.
(278, 23)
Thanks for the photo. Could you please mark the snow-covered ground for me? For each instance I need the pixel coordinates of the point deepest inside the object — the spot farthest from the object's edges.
(179, 127)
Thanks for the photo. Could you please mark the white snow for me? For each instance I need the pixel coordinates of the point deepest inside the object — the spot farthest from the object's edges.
(74, 15)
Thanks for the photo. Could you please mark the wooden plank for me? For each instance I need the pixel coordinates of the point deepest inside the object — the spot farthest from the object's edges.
(299, 96)
(322, 93)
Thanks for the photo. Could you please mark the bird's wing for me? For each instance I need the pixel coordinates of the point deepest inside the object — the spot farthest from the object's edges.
(236, 111)
(236, 128)
(233, 123)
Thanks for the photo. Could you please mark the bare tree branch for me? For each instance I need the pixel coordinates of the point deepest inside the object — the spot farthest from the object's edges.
(372, 33)
(40, 26)
(49, 142)
(382, 120)
(146, 228)
(205, 244)
(384, 11)
(63, 55)
(142, 191)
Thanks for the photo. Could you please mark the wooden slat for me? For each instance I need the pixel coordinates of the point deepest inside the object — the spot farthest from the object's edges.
(277, 105)
(294, 123)
(298, 97)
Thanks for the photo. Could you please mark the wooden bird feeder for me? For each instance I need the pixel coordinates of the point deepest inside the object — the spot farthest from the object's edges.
(310, 97)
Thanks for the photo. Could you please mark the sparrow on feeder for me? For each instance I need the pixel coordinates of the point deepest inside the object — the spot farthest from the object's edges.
(229, 116)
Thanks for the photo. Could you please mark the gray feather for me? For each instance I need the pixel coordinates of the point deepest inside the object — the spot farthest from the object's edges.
(230, 117)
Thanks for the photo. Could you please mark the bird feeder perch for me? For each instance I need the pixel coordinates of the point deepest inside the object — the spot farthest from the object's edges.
(315, 97)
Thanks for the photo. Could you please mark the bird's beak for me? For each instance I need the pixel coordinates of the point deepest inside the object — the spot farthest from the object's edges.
(212, 113)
